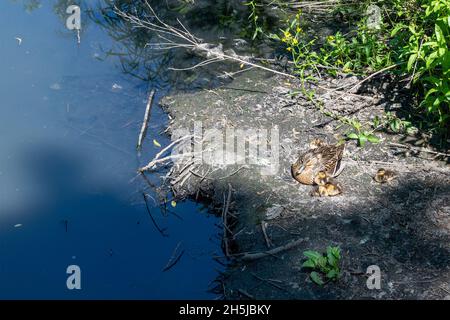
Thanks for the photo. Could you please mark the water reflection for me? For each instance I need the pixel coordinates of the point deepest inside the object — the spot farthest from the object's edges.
(68, 187)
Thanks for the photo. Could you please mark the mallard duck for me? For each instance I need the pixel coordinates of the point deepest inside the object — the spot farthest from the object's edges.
(317, 142)
(383, 176)
(325, 158)
(329, 189)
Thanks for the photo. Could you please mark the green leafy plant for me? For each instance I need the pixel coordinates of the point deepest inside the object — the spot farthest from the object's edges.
(395, 124)
(360, 135)
(324, 266)
(428, 57)
(254, 17)
(412, 41)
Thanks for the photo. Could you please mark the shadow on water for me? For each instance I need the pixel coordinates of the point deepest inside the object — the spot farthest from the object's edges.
(69, 191)
(83, 223)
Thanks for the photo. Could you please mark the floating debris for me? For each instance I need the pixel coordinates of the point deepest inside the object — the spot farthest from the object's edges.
(116, 87)
(55, 86)
(156, 143)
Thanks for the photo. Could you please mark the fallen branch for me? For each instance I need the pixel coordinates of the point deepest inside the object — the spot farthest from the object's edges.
(157, 159)
(270, 282)
(184, 39)
(146, 118)
(368, 78)
(259, 255)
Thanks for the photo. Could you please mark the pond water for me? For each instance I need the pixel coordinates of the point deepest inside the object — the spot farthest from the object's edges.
(69, 194)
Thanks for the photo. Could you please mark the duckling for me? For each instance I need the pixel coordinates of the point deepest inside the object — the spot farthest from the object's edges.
(321, 178)
(383, 175)
(325, 158)
(329, 189)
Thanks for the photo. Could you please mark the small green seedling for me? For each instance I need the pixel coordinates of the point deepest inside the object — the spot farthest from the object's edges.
(324, 266)
(362, 136)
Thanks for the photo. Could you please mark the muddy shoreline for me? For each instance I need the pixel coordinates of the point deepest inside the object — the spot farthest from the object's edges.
(403, 227)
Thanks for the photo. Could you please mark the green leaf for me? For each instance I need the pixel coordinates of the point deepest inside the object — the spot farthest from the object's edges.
(362, 140)
(397, 29)
(395, 125)
(336, 252)
(411, 61)
(334, 255)
(353, 136)
(372, 138)
(376, 122)
(333, 274)
(322, 262)
(309, 264)
(331, 258)
(316, 278)
(312, 254)
(430, 59)
(439, 34)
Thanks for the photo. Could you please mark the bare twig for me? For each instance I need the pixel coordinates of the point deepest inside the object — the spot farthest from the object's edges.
(399, 145)
(157, 159)
(270, 282)
(246, 294)
(182, 38)
(259, 255)
(161, 231)
(224, 221)
(146, 118)
(266, 237)
(368, 78)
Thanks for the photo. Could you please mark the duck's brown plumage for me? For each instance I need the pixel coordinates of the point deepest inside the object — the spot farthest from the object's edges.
(325, 158)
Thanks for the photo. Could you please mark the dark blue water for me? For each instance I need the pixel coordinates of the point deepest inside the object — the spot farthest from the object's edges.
(69, 122)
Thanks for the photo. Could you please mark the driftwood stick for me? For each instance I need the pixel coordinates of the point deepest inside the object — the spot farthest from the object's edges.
(146, 118)
(259, 255)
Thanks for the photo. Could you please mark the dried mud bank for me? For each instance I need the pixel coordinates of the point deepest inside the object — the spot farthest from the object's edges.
(403, 227)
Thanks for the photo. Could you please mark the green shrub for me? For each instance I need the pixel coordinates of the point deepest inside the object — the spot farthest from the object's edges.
(323, 265)
(414, 39)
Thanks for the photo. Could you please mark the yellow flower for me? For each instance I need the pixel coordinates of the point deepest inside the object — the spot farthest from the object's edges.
(295, 41)
(299, 30)
(287, 35)
(289, 49)
(330, 38)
